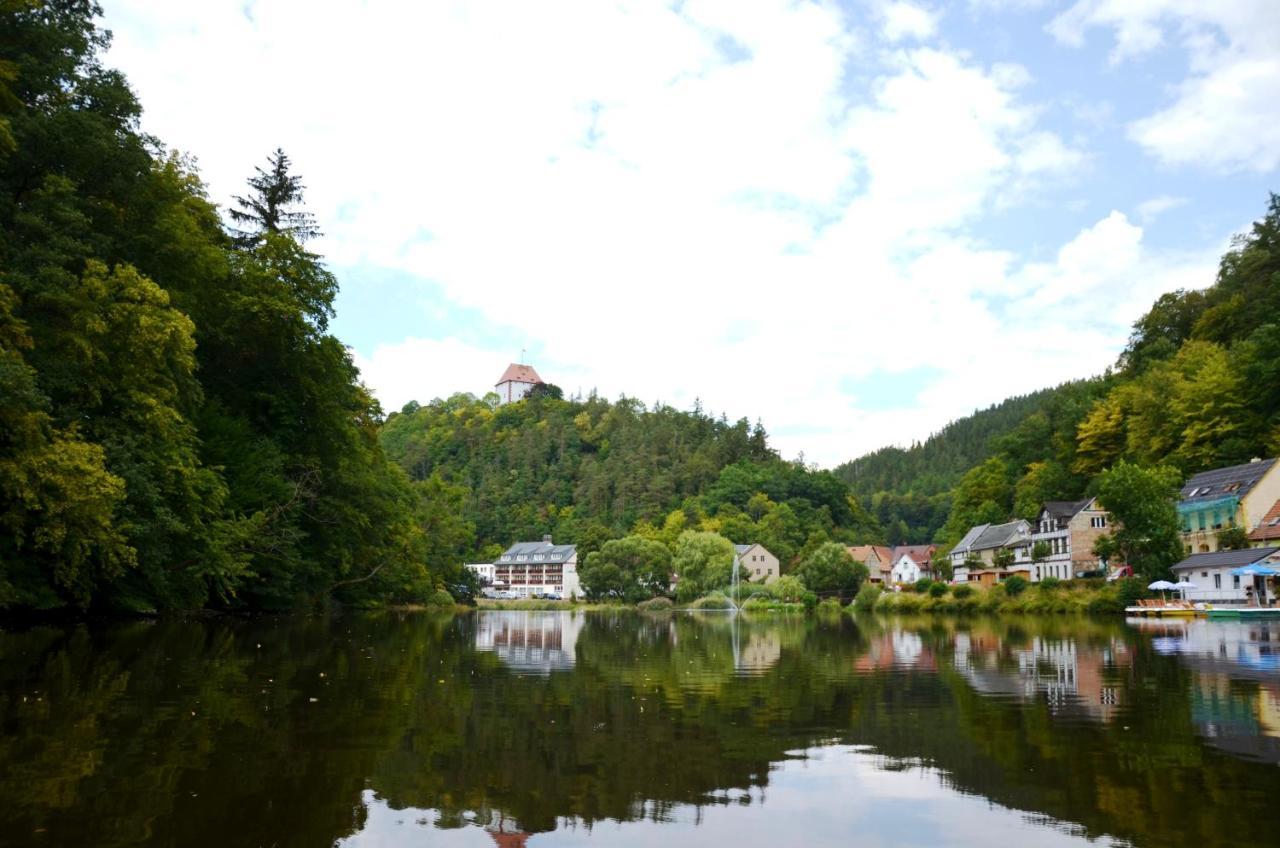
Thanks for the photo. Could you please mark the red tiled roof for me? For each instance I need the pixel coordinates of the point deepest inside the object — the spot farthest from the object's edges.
(519, 374)
(1270, 526)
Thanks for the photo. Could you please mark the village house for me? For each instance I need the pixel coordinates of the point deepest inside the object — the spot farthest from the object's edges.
(912, 563)
(1070, 529)
(878, 559)
(1215, 578)
(482, 570)
(530, 569)
(756, 562)
(1267, 532)
(1238, 496)
(516, 382)
(982, 542)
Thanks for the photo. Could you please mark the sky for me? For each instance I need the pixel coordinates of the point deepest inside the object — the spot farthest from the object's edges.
(853, 221)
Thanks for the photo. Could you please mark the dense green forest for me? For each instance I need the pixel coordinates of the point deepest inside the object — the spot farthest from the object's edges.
(1197, 387)
(590, 470)
(177, 426)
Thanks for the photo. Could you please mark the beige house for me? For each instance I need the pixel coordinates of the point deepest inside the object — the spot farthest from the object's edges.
(756, 561)
(878, 560)
(983, 541)
(1069, 528)
(1238, 496)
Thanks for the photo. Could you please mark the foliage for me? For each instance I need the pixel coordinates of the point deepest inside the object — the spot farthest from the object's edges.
(937, 590)
(922, 585)
(703, 562)
(658, 604)
(271, 205)
(632, 568)
(963, 590)
(179, 430)
(1041, 551)
(1232, 539)
(867, 597)
(1003, 558)
(1015, 585)
(1048, 584)
(1146, 520)
(830, 569)
(786, 588)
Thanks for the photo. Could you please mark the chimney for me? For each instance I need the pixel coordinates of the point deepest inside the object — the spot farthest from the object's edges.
(547, 538)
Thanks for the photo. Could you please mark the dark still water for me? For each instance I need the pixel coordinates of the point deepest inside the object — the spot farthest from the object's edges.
(561, 729)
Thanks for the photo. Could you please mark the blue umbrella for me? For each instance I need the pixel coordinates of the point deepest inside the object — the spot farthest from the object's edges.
(1256, 569)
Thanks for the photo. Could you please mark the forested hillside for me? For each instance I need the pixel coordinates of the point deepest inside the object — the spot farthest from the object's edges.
(1197, 387)
(591, 470)
(177, 427)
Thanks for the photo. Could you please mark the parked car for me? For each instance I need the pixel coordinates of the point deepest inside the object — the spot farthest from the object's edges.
(1096, 572)
(553, 596)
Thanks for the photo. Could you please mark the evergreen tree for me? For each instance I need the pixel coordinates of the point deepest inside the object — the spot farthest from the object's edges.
(271, 205)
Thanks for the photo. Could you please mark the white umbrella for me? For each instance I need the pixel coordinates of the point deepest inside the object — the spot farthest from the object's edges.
(1184, 585)
(1161, 586)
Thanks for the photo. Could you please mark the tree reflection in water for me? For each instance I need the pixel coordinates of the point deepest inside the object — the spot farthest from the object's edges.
(494, 726)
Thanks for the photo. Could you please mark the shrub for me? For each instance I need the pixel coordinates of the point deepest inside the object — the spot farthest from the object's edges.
(440, 598)
(922, 585)
(1130, 590)
(658, 604)
(716, 600)
(963, 590)
(1048, 584)
(867, 597)
(786, 588)
(937, 590)
(829, 605)
(809, 600)
(1015, 585)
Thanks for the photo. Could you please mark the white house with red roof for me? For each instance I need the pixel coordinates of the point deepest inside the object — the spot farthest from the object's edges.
(516, 382)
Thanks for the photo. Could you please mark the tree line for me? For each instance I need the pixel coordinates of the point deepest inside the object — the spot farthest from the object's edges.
(1197, 387)
(178, 428)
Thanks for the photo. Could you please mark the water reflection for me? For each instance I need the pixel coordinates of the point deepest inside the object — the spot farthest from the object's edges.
(562, 728)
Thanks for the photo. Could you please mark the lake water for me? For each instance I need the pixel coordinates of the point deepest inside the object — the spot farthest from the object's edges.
(547, 729)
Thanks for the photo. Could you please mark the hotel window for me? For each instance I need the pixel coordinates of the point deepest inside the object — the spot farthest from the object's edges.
(1098, 521)
(1217, 581)
(1235, 581)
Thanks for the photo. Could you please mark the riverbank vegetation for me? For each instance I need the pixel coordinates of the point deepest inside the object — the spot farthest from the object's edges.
(1015, 596)
(178, 428)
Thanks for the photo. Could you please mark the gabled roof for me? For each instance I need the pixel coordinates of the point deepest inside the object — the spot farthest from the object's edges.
(1064, 509)
(1269, 528)
(999, 535)
(1221, 482)
(517, 373)
(550, 553)
(1231, 559)
(921, 555)
(966, 544)
(861, 553)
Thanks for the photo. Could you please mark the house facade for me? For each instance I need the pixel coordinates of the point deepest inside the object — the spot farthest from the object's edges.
(1215, 582)
(982, 542)
(1070, 529)
(1267, 533)
(757, 563)
(912, 563)
(538, 568)
(516, 382)
(1238, 496)
(482, 570)
(878, 559)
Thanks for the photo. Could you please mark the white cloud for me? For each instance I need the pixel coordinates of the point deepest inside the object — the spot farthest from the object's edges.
(907, 20)
(674, 203)
(1223, 115)
(1154, 207)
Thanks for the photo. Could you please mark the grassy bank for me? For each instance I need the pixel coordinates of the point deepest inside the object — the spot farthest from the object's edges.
(1047, 598)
